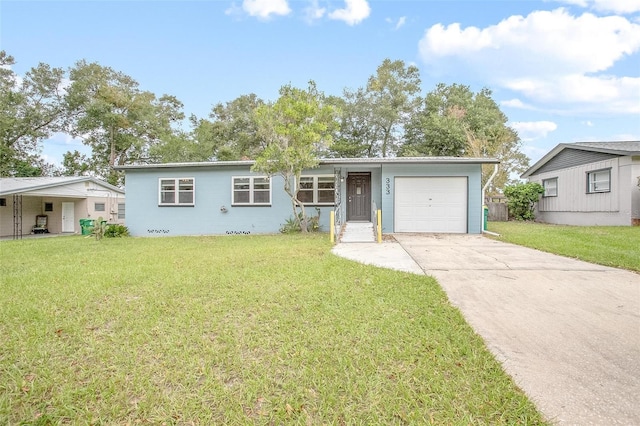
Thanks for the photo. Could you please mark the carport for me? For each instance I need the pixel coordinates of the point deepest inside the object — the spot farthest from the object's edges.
(62, 200)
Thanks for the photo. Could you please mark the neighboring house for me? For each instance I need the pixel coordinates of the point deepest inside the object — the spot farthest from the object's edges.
(589, 183)
(438, 194)
(63, 200)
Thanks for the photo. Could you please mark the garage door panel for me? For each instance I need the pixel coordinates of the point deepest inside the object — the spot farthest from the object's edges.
(430, 204)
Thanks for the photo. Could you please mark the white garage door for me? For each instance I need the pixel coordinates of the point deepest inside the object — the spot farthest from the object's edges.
(430, 204)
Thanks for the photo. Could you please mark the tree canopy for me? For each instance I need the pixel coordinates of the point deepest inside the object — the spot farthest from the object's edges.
(115, 118)
(373, 117)
(31, 109)
(454, 121)
(123, 124)
(295, 128)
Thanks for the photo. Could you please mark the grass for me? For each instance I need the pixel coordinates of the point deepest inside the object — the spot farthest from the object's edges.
(235, 330)
(616, 246)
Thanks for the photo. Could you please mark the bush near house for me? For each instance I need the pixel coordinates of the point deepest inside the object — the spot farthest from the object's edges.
(522, 198)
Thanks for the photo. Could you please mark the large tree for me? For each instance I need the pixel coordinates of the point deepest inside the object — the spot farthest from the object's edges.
(31, 109)
(116, 119)
(373, 117)
(230, 133)
(454, 121)
(234, 130)
(296, 127)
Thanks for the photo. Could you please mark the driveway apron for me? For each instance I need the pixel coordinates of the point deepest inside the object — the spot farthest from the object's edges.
(567, 331)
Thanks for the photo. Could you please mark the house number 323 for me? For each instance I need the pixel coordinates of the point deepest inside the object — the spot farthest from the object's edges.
(387, 186)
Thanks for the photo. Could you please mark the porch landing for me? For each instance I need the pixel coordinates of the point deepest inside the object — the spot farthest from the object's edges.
(358, 232)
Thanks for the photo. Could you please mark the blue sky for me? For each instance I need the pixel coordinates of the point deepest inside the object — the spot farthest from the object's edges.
(561, 70)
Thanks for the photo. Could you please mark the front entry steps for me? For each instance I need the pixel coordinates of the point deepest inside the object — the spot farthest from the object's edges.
(358, 232)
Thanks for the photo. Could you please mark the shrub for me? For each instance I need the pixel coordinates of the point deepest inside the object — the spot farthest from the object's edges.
(522, 198)
(294, 224)
(116, 230)
(98, 229)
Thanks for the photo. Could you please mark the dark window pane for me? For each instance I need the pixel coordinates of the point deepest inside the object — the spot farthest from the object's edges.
(186, 184)
(241, 197)
(326, 183)
(186, 198)
(261, 197)
(241, 183)
(305, 196)
(168, 185)
(168, 198)
(261, 183)
(325, 197)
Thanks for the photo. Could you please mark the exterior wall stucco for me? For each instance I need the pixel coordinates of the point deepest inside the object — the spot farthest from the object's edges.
(213, 212)
(471, 171)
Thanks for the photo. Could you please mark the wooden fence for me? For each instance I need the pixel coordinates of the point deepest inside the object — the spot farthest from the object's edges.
(498, 211)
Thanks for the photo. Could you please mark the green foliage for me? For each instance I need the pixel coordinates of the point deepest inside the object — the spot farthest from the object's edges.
(521, 199)
(115, 118)
(454, 121)
(295, 128)
(75, 164)
(373, 117)
(116, 230)
(234, 131)
(123, 124)
(293, 225)
(31, 109)
(99, 229)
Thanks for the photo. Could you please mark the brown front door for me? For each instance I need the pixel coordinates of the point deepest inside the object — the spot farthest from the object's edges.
(359, 196)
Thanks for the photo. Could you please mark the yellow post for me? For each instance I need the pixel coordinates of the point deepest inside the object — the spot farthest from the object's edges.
(379, 215)
(332, 225)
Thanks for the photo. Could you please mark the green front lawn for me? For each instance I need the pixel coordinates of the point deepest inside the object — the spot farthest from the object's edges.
(617, 246)
(234, 330)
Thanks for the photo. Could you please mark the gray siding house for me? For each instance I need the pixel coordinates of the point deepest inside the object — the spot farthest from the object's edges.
(589, 183)
(435, 194)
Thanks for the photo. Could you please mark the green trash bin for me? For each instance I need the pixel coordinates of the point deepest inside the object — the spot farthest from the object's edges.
(86, 225)
(486, 217)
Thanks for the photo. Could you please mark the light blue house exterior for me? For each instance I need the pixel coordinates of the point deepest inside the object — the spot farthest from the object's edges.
(422, 194)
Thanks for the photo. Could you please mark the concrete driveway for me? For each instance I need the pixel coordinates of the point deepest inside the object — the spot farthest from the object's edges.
(567, 331)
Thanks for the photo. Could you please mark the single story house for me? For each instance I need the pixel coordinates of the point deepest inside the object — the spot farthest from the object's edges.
(589, 183)
(434, 194)
(56, 204)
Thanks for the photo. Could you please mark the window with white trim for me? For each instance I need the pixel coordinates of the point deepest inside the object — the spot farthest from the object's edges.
(176, 192)
(99, 207)
(318, 189)
(550, 187)
(599, 181)
(121, 211)
(251, 190)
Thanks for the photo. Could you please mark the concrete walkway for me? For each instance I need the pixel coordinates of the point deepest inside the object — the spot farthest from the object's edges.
(358, 232)
(567, 331)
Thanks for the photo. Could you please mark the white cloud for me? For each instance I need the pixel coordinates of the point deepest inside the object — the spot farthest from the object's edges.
(547, 56)
(515, 103)
(397, 24)
(615, 6)
(531, 130)
(618, 94)
(313, 12)
(264, 9)
(355, 12)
